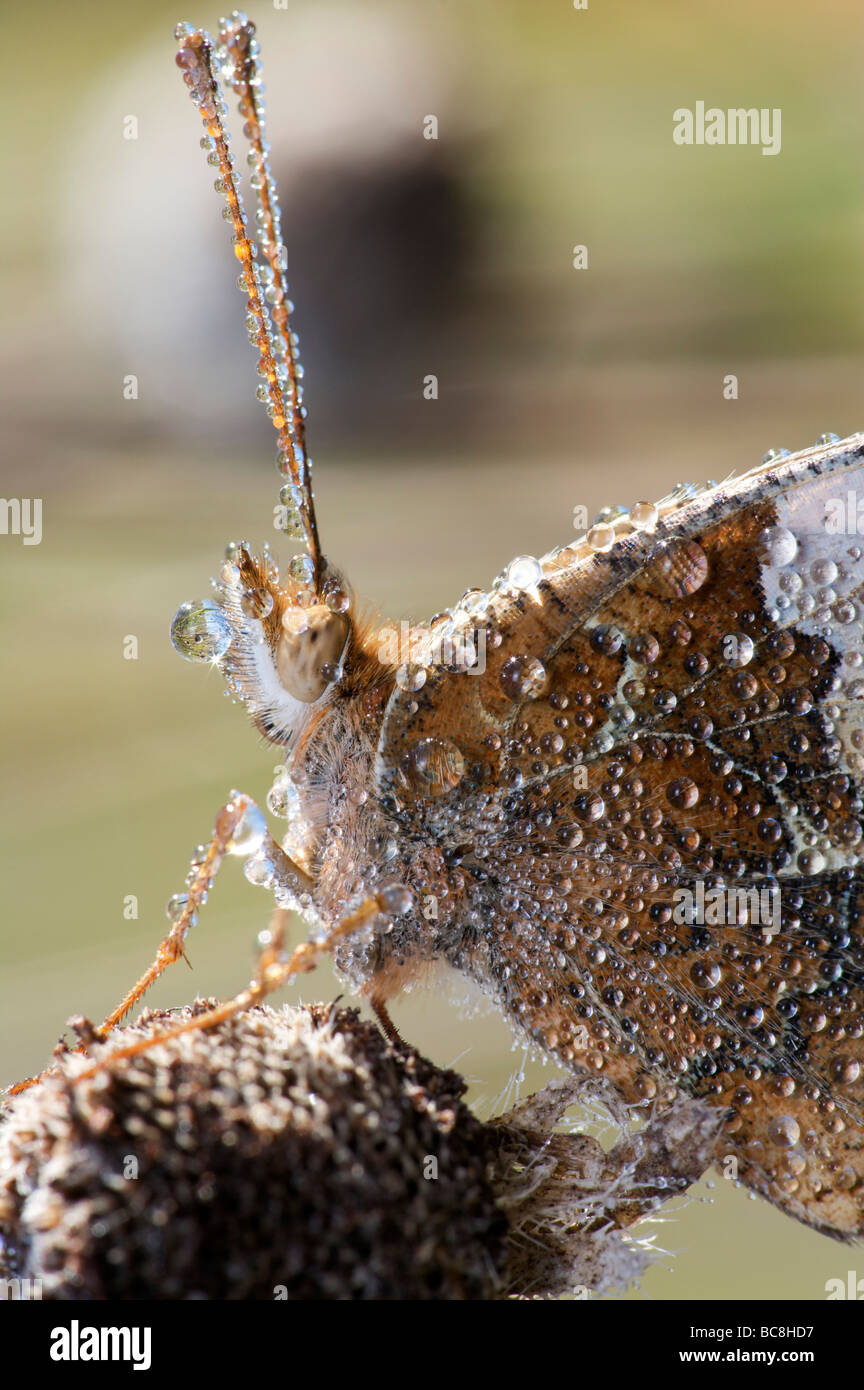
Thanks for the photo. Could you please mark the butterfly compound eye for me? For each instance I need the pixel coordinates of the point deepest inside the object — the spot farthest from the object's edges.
(310, 649)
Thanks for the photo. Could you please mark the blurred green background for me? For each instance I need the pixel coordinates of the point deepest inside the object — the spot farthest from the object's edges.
(557, 388)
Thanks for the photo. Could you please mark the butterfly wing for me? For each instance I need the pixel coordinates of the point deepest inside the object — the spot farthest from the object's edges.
(653, 781)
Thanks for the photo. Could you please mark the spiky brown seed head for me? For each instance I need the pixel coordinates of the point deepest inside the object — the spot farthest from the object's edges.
(299, 1154)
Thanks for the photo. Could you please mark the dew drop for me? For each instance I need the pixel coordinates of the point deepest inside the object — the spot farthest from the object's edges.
(823, 571)
(257, 603)
(523, 677)
(175, 905)
(200, 631)
(738, 649)
(525, 572)
(677, 570)
(282, 797)
(337, 599)
(291, 522)
(777, 546)
(410, 676)
(706, 974)
(434, 765)
(666, 700)
(784, 1131)
(644, 648)
(644, 516)
(683, 793)
(847, 1070)
(849, 831)
(601, 538)
(606, 638)
(811, 861)
(473, 603)
(590, 807)
(395, 900)
(259, 871)
(301, 569)
(250, 831)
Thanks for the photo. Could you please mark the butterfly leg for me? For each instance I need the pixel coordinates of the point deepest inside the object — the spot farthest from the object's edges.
(240, 829)
(275, 969)
(388, 1027)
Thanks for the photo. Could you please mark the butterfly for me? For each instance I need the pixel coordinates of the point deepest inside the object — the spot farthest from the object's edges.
(621, 789)
(658, 828)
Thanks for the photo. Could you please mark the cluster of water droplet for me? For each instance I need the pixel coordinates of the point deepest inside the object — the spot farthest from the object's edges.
(586, 953)
(284, 801)
(264, 284)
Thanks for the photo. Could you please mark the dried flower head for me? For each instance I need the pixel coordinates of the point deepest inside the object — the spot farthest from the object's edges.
(300, 1154)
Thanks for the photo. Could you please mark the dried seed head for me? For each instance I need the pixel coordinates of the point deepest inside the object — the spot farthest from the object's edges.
(286, 1154)
(298, 1154)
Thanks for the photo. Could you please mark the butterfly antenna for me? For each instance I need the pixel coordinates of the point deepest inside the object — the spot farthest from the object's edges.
(278, 364)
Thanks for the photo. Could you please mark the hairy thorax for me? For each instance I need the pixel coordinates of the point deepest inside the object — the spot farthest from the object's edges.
(355, 850)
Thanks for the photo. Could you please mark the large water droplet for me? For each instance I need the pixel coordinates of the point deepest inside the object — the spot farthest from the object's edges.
(683, 793)
(301, 569)
(282, 797)
(395, 899)
(706, 974)
(175, 905)
(590, 807)
(200, 631)
(644, 648)
(290, 518)
(523, 677)
(250, 832)
(784, 1131)
(811, 861)
(259, 870)
(677, 570)
(737, 649)
(823, 571)
(524, 572)
(777, 546)
(601, 537)
(644, 516)
(434, 766)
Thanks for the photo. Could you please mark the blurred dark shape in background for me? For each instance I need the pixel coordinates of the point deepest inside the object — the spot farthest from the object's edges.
(387, 233)
(380, 261)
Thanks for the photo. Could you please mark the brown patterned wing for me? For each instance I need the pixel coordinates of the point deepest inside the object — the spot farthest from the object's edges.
(654, 790)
